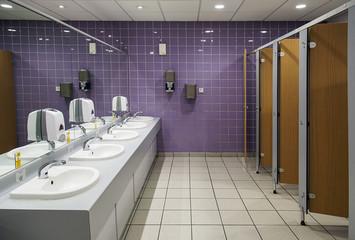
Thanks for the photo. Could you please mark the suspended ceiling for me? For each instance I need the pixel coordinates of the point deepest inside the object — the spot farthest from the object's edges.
(176, 10)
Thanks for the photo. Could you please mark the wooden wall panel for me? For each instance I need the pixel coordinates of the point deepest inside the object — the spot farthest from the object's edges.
(289, 84)
(266, 107)
(8, 140)
(328, 120)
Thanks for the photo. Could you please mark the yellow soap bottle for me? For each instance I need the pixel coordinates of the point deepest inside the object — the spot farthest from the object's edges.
(68, 137)
(18, 160)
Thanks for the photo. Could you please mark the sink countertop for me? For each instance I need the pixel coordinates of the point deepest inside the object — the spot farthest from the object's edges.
(109, 169)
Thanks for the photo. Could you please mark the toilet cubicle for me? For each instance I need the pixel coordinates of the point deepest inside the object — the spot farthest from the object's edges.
(312, 88)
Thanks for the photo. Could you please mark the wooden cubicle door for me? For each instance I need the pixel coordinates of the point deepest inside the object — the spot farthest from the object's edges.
(266, 107)
(328, 131)
(289, 82)
(7, 103)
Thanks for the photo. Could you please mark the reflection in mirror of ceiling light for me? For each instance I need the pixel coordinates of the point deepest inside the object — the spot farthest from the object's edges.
(11, 30)
(264, 31)
(109, 36)
(109, 50)
(200, 50)
(155, 32)
(40, 39)
(299, 6)
(66, 31)
(139, 6)
(219, 6)
(88, 39)
(151, 53)
(61, 6)
(209, 31)
(47, 39)
(203, 40)
(5, 5)
(102, 31)
(212, 40)
(250, 40)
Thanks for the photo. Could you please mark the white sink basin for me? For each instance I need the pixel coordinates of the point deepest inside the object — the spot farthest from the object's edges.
(120, 135)
(98, 152)
(141, 119)
(132, 125)
(62, 182)
(32, 151)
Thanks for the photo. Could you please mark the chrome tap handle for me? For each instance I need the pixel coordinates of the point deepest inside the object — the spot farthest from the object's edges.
(43, 170)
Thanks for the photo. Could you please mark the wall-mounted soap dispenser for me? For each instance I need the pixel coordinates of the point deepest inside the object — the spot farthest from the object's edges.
(120, 104)
(169, 81)
(84, 80)
(81, 110)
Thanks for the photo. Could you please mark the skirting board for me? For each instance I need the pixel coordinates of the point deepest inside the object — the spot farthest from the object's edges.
(205, 154)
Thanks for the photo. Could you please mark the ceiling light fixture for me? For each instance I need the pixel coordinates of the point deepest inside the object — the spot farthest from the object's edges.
(251, 40)
(139, 6)
(209, 31)
(300, 6)
(66, 31)
(5, 5)
(11, 30)
(61, 6)
(219, 6)
(203, 40)
(263, 31)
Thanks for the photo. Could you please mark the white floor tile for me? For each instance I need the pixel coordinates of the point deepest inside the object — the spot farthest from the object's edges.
(284, 204)
(180, 176)
(261, 176)
(199, 170)
(280, 193)
(180, 170)
(330, 220)
(157, 184)
(200, 184)
(276, 233)
(251, 193)
(202, 193)
(178, 193)
(143, 232)
(197, 159)
(311, 232)
(223, 184)
(236, 218)
(241, 177)
(257, 204)
(181, 164)
(177, 204)
(154, 193)
(230, 204)
(203, 204)
(226, 193)
(175, 232)
(179, 184)
(266, 218)
(213, 170)
(220, 176)
(161, 169)
(265, 184)
(242, 232)
(294, 218)
(245, 184)
(198, 164)
(206, 217)
(152, 204)
(338, 232)
(210, 232)
(176, 217)
(147, 217)
(159, 176)
(200, 176)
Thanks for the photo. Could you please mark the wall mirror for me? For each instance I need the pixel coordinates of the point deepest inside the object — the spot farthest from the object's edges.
(41, 53)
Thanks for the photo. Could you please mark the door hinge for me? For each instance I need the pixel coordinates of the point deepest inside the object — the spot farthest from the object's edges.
(312, 44)
(311, 196)
(281, 170)
(281, 54)
(262, 60)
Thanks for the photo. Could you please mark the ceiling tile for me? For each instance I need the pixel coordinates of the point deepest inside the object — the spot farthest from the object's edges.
(180, 16)
(257, 10)
(229, 5)
(131, 6)
(250, 16)
(147, 16)
(180, 6)
(215, 16)
(54, 5)
(104, 10)
(79, 15)
(288, 11)
(323, 10)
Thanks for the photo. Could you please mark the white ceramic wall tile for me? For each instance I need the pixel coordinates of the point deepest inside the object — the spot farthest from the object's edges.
(176, 217)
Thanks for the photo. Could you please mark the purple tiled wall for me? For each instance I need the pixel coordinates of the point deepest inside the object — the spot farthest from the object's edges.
(209, 54)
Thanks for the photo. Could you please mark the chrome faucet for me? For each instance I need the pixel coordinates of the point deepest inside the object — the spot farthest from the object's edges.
(81, 128)
(135, 115)
(102, 120)
(113, 113)
(43, 170)
(87, 143)
(51, 145)
(109, 130)
(126, 119)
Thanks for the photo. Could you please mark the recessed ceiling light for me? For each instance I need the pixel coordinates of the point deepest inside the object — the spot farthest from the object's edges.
(219, 6)
(139, 6)
(5, 5)
(299, 6)
(61, 6)
(263, 31)
(251, 40)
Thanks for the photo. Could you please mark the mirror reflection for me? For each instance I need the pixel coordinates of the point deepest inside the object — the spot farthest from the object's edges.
(45, 64)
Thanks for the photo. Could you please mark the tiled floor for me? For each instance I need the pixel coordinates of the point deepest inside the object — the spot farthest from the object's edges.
(222, 198)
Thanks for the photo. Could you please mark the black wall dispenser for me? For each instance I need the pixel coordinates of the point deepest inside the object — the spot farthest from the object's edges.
(169, 81)
(84, 80)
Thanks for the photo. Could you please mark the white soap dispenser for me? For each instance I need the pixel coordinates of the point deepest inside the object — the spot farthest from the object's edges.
(81, 110)
(120, 104)
(46, 125)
